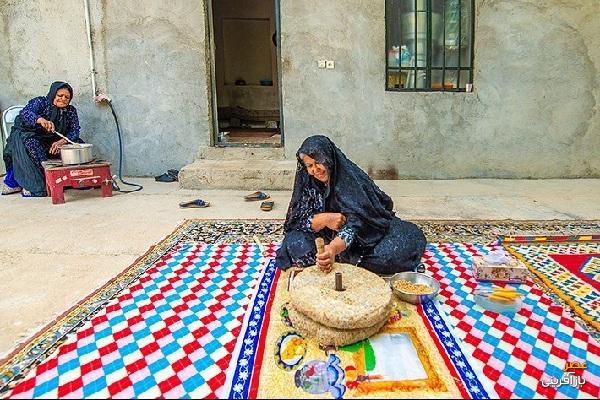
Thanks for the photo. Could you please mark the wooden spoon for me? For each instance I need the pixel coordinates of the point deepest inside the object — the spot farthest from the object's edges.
(67, 139)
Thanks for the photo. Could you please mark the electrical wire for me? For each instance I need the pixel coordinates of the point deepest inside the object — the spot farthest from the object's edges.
(120, 176)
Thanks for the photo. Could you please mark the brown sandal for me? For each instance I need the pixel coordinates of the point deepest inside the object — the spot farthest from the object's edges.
(267, 205)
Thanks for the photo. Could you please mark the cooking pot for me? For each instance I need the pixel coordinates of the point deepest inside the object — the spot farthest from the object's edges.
(71, 154)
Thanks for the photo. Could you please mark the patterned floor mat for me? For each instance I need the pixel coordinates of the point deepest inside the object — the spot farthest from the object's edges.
(568, 266)
(463, 350)
(518, 353)
(169, 324)
(170, 334)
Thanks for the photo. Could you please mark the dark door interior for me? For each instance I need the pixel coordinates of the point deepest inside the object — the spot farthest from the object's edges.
(247, 84)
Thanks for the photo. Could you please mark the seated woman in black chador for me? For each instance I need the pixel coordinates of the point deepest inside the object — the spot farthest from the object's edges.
(32, 139)
(333, 198)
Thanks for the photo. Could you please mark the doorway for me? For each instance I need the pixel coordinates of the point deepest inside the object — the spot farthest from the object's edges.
(247, 98)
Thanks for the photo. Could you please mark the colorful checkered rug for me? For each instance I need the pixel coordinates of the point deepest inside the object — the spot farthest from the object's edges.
(191, 319)
(485, 354)
(519, 353)
(170, 334)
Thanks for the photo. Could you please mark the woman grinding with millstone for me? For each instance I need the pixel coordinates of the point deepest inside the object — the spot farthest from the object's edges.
(333, 198)
(32, 139)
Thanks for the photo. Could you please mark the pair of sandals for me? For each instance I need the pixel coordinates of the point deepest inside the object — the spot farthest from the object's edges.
(171, 175)
(6, 190)
(258, 196)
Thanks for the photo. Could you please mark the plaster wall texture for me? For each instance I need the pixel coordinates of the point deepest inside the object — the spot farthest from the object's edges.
(533, 112)
(150, 59)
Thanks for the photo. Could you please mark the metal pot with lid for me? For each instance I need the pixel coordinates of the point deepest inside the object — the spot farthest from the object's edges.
(72, 154)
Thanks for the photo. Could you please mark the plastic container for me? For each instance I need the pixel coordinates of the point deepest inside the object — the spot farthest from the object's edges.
(482, 298)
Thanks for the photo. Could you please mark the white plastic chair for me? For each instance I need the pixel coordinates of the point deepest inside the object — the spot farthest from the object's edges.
(8, 119)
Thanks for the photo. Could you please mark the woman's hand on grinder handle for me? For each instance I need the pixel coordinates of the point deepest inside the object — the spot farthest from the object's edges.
(326, 259)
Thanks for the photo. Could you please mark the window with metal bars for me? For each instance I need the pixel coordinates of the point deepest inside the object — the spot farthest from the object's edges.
(429, 45)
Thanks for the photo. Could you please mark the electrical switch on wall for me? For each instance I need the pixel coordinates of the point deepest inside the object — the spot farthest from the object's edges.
(329, 64)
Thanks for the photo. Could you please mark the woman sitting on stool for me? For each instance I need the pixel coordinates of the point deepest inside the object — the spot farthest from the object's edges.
(32, 139)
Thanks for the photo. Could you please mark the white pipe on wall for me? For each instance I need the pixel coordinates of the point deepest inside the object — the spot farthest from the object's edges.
(86, 5)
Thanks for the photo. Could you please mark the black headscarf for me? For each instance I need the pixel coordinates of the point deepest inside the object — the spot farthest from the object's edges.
(54, 88)
(368, 210)
(57, 114)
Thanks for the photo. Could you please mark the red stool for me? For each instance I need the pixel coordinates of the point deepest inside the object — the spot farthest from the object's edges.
(96, 174)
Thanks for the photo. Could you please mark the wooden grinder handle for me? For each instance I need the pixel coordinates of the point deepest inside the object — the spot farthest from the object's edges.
(320, 245)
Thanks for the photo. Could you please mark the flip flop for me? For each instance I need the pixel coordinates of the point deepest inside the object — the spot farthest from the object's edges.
(6, 190)
(27, 193)
(166, 177)
(256, 196)
(267, 205)
(197, 203)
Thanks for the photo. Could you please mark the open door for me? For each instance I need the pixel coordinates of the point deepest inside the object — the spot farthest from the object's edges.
(246, 73)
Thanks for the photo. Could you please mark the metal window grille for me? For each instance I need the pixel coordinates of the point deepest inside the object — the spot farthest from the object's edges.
(429, 45)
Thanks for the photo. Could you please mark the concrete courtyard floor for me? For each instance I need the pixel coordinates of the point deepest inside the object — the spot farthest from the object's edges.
(52, 256)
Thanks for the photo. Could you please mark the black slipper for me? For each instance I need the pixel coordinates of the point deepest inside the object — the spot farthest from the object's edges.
(166, 177)
(256, 196)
